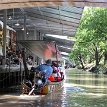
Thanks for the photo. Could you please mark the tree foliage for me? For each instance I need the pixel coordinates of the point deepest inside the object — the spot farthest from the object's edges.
(91, 37)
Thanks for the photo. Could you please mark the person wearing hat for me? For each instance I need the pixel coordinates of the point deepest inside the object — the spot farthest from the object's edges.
(46, 68)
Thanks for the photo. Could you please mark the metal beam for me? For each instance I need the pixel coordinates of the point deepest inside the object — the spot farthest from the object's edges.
(6, 4)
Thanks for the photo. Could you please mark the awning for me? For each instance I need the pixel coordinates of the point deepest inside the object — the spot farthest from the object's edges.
(63, 42)
(42, 49)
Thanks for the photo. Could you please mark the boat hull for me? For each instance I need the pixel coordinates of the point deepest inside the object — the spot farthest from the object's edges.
(51, 87)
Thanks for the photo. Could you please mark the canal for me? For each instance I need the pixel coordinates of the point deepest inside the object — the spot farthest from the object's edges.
(81, 89)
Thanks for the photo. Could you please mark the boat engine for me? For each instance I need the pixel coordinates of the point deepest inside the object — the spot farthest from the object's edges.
(39, 79)
(39, 83)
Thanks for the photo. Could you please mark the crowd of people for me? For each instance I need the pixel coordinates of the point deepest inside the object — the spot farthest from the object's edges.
(52, 71)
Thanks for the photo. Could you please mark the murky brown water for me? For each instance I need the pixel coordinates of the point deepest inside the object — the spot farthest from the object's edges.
(81, 89)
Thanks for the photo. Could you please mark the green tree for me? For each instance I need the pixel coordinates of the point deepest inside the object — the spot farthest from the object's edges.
(91, 36)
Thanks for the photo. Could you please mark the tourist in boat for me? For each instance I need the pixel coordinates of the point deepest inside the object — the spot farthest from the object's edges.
(46, 68)
(56, 76)
(62, 71)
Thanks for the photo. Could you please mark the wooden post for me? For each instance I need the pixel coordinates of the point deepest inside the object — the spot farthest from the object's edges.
(4, 36)
(25, 65)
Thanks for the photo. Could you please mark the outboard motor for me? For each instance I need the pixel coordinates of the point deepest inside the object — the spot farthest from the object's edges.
(39, 79)
(38, 82)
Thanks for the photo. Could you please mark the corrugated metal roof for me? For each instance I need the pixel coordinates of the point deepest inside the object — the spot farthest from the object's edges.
(60, 17)
(64, 49)
(59, 20)
(63, 42)
(55, 20)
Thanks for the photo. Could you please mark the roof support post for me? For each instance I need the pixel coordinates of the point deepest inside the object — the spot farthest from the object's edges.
(35, 34)
(24, 27)
(41, 36)
(38, 38)
(4, 36)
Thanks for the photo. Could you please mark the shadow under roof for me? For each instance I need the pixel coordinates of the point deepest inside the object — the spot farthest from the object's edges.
(56, 20)
(58, 17)
(42, 49)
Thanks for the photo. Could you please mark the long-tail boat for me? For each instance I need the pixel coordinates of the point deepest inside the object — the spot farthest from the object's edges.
(45, 50)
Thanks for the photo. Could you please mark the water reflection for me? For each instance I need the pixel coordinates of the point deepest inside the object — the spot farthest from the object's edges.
(95, 87)
(81, 89)
(91, 81)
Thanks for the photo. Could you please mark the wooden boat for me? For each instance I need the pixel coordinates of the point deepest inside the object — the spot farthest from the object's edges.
(52, 87)
(49, 88)
(42, 49)
(36, 85)
(45, 50)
